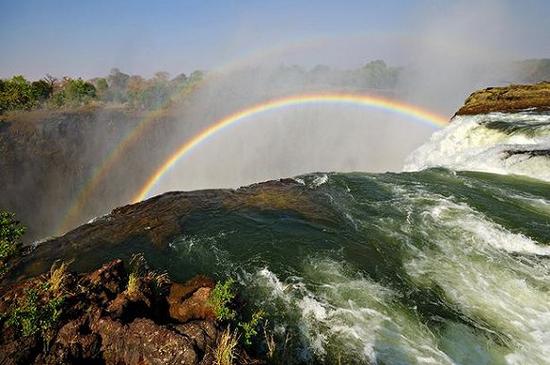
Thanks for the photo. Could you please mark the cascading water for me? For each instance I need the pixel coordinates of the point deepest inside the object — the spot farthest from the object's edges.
(503, 143)
(435, 266)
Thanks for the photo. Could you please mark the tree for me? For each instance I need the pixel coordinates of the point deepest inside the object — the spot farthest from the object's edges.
(196, 76)
(118, 83)
(162, 76)
(180, 79)
(41, 90)
(320, 73)
(101, 86)
(78, 91)
(50, 80)
(136, 88)
(377, 74)
(17, 94)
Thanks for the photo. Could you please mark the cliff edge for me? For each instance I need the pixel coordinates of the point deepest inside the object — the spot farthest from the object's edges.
(506, 99)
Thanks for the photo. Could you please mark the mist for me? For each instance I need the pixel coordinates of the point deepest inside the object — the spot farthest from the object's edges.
(451, 55)
(440, 54)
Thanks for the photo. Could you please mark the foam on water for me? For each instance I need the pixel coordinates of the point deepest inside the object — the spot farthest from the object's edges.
(349, 318)
(474, 143)
(471, 262)
(409, 268)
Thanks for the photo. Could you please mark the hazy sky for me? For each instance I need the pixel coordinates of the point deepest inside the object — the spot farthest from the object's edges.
(88, 38)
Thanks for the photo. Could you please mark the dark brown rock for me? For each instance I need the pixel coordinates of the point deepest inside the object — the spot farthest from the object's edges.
(104, 322)
(143, 342)
(203, 334)
(19, 351)
(190, 300)
(77, 337)
(74, 344)
(129, 305)
(110, 277)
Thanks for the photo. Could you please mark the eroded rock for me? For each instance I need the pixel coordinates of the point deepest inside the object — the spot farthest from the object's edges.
(508, 99)
(143, 342)
(189, 301)
(102, 321)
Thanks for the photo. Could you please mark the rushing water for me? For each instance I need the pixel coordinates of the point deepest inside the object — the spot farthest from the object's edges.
(425, 267)
(437, 266)
(517, 143)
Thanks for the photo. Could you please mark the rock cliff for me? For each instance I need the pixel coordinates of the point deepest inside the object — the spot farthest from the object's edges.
(508, 99)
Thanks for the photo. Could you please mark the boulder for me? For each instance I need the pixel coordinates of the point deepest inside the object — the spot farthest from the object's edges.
(189, 301)
(109, 278)
(130, 305)
(203, 334)
(19, 351)
(143, 342)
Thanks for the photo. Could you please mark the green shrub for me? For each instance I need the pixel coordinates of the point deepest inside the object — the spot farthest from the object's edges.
(78, 91)
(220, 298)
(17, 94)
(250, 328)
(11, 232)
(41, 90)
(33, 316)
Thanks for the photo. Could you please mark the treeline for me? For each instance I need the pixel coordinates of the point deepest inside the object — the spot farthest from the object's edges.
(373, 75)
(134, 91)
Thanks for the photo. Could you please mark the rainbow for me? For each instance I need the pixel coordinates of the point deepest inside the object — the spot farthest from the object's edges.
(408, 110)
(103, 169)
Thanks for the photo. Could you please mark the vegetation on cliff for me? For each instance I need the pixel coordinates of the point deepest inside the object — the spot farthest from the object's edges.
(115, 316)
(11, 232)
(117, 88)
(137, 92)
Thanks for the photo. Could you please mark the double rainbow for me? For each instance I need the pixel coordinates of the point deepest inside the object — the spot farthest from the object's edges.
(410, 111)
(415, 113)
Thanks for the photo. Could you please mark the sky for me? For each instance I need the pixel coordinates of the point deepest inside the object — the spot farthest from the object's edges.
(88, 38)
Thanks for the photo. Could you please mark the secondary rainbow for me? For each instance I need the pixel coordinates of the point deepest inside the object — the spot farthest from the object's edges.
(408, 110)
(103, 169)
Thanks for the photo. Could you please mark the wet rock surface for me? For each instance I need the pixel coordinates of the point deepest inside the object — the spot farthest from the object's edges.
(106, 320)
(152, 223)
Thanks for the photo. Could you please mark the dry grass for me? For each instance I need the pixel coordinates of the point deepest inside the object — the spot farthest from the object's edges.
(225, 352)
(139, 269)
(58, 273)
(133, 284)
(138, 264)
(159, 279)
(270, 342)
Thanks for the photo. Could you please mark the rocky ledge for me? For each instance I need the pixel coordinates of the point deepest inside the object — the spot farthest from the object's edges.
(112, 316)
(508, 99)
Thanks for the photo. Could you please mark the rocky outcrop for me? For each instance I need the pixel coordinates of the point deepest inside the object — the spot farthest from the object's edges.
(106, 317)
(508, 99)
(154, 222)
(187, 301)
